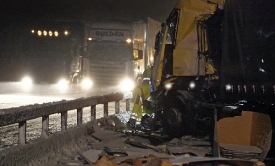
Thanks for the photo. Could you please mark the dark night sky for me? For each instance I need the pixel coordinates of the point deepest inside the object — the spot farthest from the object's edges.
(88, 10)
(16, 17)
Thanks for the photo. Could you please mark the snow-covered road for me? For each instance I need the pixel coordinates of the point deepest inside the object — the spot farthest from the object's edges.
(16, 99)
(9, 134)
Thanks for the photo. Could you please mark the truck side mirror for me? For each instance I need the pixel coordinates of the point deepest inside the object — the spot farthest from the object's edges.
(138, 54)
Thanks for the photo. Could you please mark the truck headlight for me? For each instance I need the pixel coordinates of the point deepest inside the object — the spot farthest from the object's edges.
(26, 82)
(192, 85)
(63, 84)
(87, 83)
(126, 85)
(168, 86)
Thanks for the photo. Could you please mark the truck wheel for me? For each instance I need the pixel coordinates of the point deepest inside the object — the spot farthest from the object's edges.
(179, 115)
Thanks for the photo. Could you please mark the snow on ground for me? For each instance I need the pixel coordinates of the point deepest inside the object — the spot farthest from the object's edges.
(9, 134)
(16, 100)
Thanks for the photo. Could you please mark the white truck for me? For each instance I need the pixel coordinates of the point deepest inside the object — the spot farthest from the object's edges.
(114, 54)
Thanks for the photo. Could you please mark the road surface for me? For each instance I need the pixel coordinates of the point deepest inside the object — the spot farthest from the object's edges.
(9, 134)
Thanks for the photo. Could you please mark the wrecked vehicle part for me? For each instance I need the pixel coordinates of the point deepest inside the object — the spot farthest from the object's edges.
(189, 145)
(188, 150)
(204, 71)
(187, 112)
(240, 151)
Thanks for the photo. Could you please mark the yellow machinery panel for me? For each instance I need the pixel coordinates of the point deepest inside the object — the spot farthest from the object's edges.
(186, 61)
(187, 64)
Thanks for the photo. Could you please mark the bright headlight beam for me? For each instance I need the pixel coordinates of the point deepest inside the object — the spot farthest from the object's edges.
(26, 82)
(62, 84)
(87, 83)
(126, 85)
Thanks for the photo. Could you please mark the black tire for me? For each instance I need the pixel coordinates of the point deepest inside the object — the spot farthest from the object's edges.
(179, 115)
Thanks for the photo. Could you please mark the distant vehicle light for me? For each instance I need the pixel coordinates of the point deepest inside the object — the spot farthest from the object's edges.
(45, 33)
(33, 31)
(50, 33)
(128, 40)
(39, 33)
(26, 82)
(90, 39)
(126, 85)
(55, 33)
(66, 33)
(87, 83)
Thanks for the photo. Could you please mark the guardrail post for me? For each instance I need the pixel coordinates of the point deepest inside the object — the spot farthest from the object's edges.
(45, 126)
(79, 116)
(93, 113)
(64, 117)
(22, 133)
(117, 107)
(105, 110)
(127, 104)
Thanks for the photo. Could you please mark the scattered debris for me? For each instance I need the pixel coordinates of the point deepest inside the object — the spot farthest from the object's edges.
(91, 156)
(240, 151)
(112, 143)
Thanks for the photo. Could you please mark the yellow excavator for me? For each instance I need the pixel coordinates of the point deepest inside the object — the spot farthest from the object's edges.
(213, 62)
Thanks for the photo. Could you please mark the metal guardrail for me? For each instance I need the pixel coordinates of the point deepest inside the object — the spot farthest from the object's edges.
(22, 114)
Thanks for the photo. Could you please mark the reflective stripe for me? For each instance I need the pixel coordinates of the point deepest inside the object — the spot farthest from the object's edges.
(140, 99)
(138, 120)
(134, 114)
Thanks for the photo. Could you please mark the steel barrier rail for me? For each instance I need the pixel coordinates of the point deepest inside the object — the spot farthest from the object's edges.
(22, 114)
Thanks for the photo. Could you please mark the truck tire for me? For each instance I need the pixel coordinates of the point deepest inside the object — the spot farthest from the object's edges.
(179, 114)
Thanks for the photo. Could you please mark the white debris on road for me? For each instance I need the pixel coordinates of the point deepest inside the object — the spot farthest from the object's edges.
(128, 95)
(124, 116)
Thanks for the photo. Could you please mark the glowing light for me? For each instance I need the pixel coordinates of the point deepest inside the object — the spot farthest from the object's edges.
(152, 59)
(90, 39)
(128, 40)
(55, 33)
(62, 84)
(45, 33)
(26, 83)
(39, 33)
(33, 31)
(66, 33)
(261, 70)
(228, 87)
(168, 86)
(87, 83)
(192, 85)
(126, 85)
(50, 33)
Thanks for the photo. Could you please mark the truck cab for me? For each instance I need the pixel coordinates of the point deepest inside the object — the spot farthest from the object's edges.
(212, 64)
